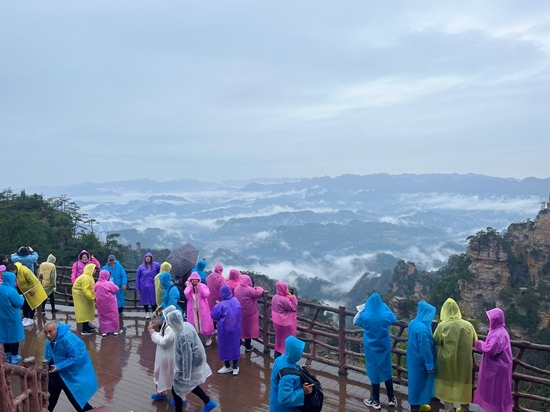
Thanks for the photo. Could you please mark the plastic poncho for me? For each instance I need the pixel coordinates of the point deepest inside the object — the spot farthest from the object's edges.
(453, 371)
(83, 295)
(48, 273)
(164, 355)
(198, 310)
(215, 281)
(376, 319)
(248, 297)
(234, 279)
(284, 308)
(11, 330)
(26, 260)
(170, 292)
(159, 291)
(228, 315)
(30, 286)
(107, 309)
(119, 278)
(201, 265)
(145, 280)
(78, 266)
(494, 381)
(190, 367)
(421, 356)
(73, 363)
(286, 394)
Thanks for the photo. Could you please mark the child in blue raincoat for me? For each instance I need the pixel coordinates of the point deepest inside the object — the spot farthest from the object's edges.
(376, 319)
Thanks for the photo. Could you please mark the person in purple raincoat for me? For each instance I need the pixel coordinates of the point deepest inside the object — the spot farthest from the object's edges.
(215, 281)
(248, 296)
(284, 308)
(494, 382)
(228, 315)
(107, 308)
(145, 283)
(198, 310)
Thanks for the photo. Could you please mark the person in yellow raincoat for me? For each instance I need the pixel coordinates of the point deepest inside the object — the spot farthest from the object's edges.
(84, 299)
(454, 338)
(32, 290)
(48, 274)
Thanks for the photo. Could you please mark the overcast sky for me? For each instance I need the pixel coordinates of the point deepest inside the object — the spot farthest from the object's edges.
(114, 90)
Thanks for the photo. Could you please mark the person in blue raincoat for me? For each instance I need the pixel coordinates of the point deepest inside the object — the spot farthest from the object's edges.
(201, 265)
(376, 319)
(170, 295)
(287, 393)
(119, 278)
(71, 368)
(11, 331)
(421, 357)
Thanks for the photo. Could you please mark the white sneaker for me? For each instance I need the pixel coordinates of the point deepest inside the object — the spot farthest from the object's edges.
(235, 371)
(28, 322)
(225, 370)
(24, 321)
(208, 342)
(147, 315)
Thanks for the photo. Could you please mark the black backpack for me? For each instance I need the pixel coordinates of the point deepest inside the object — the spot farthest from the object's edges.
(182, 301)
(314, 401)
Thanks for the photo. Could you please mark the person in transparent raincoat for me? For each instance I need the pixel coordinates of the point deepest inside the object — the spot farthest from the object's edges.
(190, 367)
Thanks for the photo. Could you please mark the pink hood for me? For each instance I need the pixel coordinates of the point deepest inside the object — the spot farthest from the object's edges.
(218, 268)
(104, 276)
(282, 288)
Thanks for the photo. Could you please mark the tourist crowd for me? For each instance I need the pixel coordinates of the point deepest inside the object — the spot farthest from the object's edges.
(186, 315)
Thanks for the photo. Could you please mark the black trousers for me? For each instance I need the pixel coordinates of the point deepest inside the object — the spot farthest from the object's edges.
(227, 364)
(52, 302)
(153, 308)
(27, 311)
(55, 386)
(248, 343)
(197, 391)
(376, 390)
(12, 348)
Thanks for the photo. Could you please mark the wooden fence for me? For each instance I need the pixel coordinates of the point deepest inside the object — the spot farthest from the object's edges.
(332, 339)
(33, 396)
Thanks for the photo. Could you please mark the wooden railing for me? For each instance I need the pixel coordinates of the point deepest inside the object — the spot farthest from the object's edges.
(33, 380)
(333, 340)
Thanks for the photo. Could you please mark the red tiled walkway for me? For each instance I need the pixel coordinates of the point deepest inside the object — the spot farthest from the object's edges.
(124, 368)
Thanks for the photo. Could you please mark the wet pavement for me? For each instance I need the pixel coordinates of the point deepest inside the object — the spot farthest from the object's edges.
(124, 367)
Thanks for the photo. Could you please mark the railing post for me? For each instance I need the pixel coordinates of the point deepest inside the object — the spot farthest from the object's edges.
(6, 397)
(32, 384)
(265, 329)
(343, 368)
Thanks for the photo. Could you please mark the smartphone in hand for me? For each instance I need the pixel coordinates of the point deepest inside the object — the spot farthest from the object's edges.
(308, 362)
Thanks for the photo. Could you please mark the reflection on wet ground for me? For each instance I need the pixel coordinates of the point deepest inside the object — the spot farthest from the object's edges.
(124, 367)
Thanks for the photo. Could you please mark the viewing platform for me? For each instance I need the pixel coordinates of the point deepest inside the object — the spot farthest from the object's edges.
(124, 368)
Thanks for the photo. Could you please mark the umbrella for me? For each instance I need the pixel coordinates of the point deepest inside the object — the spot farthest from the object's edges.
(183, 259)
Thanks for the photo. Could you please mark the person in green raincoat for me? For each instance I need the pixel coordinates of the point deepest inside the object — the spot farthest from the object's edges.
(454, 338)
(84, 299)
(32, 290)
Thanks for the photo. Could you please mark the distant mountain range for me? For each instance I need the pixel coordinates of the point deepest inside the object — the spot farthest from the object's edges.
(335, 229)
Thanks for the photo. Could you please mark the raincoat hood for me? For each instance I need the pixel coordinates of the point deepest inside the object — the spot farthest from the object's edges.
(8, 279)
(294, 348)
(89, 270)
(246, 280)
(169, 309)
(150, 255)
(104, 275)
(194, 275)
(234, 274)
(282, 288)
(426, 313)
(165, 267)
(84, 252)
(51, 258)
(62, 329)
(496, 318)
(175, 320)
(201, 264)
(225, 292)
(218, 268)
(450, 311)
(18, 266)
(165, 280)
(375, 304)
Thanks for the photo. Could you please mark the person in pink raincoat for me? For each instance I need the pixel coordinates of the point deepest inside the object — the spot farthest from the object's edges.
(198, 310)
(234, 279)
(248, 296)
(284, 308)
(494, 382)
(107, 307)
(83, 259)
(215, 281)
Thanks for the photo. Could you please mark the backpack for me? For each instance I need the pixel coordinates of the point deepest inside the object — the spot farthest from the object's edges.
(182, 301)
(314, 401)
